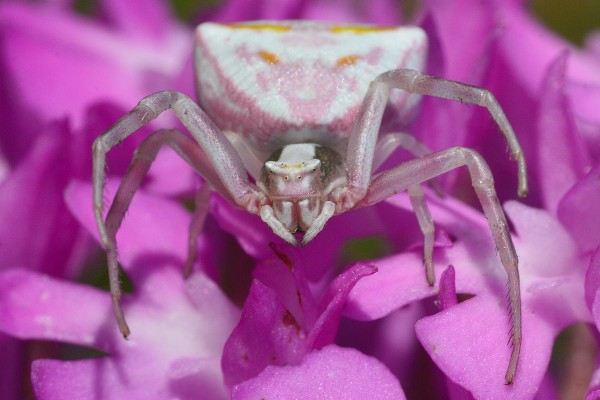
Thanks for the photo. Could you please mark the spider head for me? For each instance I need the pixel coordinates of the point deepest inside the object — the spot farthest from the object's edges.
(297, 180)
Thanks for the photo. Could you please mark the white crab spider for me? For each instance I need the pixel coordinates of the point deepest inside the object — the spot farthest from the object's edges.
(298, 105)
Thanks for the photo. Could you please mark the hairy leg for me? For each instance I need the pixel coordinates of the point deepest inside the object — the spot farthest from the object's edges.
(413, 172)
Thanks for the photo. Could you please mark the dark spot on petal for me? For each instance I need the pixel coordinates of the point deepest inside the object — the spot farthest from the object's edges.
(282, 256)
(289, 320)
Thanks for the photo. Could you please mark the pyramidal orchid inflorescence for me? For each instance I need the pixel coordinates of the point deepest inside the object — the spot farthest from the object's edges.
(262, 320)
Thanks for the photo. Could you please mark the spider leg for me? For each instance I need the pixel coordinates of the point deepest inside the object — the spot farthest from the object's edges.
(219, 151)
(268, 216)
(326, 212)
(389, 142)
(201, 202)
(385, 147)
(413, 172)
(145, 154)
(363, 139)
(221, 166)
(416, 82)
(417, 199)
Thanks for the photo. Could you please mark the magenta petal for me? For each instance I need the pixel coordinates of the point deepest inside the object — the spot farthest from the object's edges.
(36, 230)
(530, 48)
(478, 362)
(447, 293)
(239, 10)
(399, 281)
(593, 393)
(289, 282)
(332, 304)
(592, 43)
(331, 373)
(594, 387)
(153, 226)
(34, 306)
(383, 12)
(11, 367)
(592, 282)
(172, 321)
(579, 211)
(189, 377)
(464, 48)
(39, 38)
(146, 19)
(266, 334)
(562, 158)
(103, 378)
(249, 230)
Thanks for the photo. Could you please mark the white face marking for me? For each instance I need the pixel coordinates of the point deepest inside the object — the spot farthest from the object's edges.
(295, 153)
(264, 79)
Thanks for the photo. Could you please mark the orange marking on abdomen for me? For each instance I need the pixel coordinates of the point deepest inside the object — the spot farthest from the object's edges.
(269, 57)
(347, 60)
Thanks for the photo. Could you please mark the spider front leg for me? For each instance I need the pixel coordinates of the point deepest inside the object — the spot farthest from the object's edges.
(144, 156)
(385, 147)
(214, 158)
(413, 172)
(363, 139)
(362, 190)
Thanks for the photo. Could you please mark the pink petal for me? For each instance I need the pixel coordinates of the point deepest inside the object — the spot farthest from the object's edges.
(584, 100)
(146, 19)
(63, 43)
(103, 378)
(478, 362)
(530, 48)
(154, 226)
(332, 305)
(594, 387)
(592, 283)
(286, 276)
(562, 157)
(464, 48)
(35, 307)
(189, 377)
(382, 12)
(579, 211)
(11, 367)
(266, 334)
(278, 325)
(36, 230)
(447, 294)
(401, 278)
(331, 373)
(178, 331)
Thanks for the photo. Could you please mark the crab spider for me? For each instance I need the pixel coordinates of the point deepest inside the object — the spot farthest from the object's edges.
(298, 106)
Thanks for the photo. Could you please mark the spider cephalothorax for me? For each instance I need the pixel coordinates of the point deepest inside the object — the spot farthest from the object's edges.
(297, 180)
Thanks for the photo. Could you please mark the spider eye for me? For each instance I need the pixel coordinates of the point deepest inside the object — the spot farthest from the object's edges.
(285, 178)
(299, 178)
